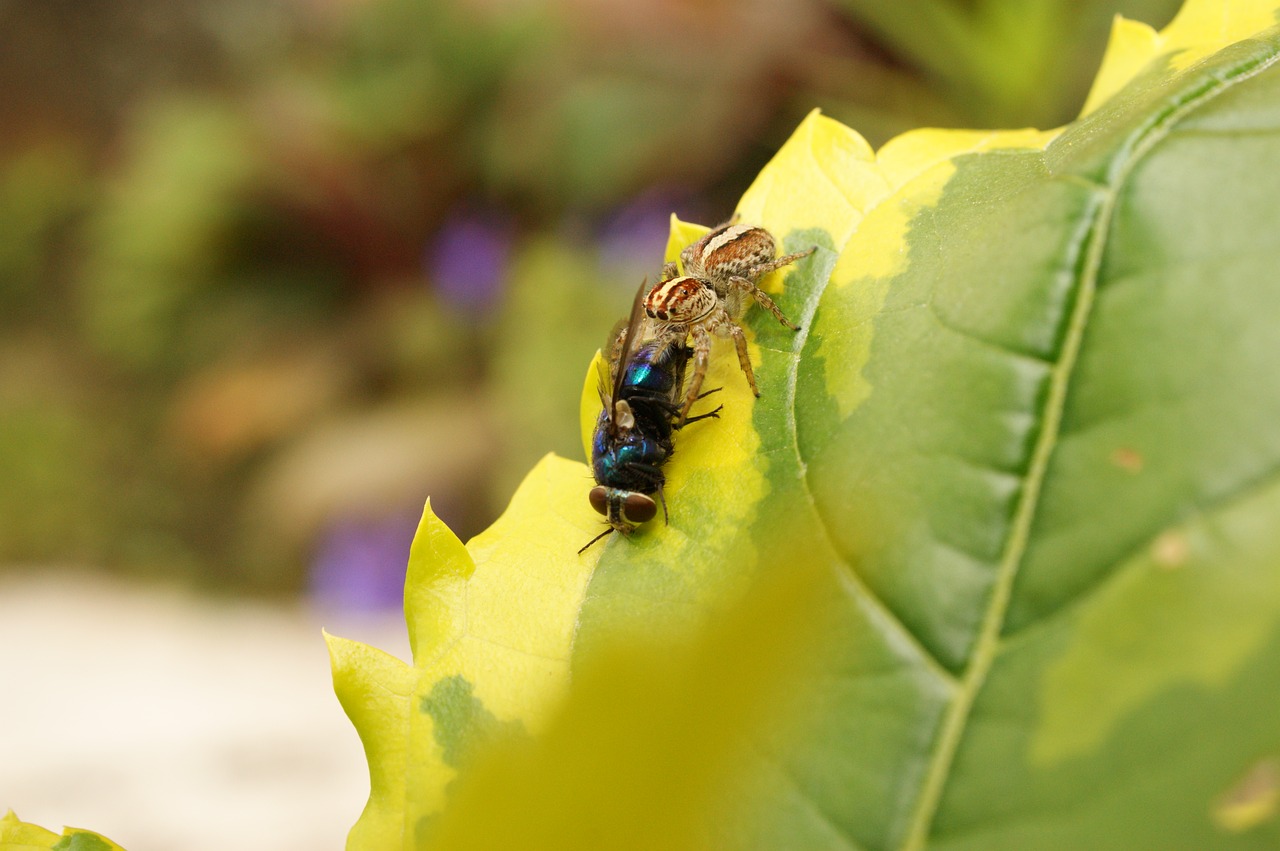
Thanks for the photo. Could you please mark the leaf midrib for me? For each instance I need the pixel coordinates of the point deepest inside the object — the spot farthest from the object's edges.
(987, 645)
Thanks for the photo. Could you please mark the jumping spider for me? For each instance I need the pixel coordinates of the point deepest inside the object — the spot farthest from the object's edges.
(722, 271)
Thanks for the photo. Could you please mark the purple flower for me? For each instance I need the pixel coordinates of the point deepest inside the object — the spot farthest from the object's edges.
(469, 258)
(633, 237)
(360, 563)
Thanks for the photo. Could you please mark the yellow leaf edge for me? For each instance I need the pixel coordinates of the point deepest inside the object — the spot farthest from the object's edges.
(375, 690)
(1200, 28)
(17, 835)
(483, 617)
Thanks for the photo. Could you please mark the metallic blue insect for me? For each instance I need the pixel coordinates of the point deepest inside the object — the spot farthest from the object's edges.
(634, 434)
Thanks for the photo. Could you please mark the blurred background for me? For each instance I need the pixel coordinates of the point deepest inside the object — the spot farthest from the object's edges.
(274, 271)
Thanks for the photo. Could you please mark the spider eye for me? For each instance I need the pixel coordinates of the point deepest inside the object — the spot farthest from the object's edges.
(599, 499)
(639, 508)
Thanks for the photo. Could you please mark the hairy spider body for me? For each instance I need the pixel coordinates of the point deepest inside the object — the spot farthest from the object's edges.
(687, 308)
(722, 271)
(733, 258)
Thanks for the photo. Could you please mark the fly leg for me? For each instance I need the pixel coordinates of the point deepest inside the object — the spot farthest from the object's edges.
(708, 415)
(704, 416)
(606, 532)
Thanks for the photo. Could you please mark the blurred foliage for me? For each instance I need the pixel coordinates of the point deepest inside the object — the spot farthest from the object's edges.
(226, 225)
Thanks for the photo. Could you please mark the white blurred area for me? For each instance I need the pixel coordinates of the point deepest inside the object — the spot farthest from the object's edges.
(170, 722)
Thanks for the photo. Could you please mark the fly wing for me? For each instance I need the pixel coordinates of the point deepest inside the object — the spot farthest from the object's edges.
(680, 358)
(610, 362)
(630, 338)
(604, 381)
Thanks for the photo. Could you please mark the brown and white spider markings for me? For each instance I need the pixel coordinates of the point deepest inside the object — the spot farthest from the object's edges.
(722, 272)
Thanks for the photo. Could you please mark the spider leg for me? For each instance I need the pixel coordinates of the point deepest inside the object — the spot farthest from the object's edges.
(777, 263)
(670, 270)
(744, 360)
(615, 351)
(745, 286)
(689, 259)
(701, 355)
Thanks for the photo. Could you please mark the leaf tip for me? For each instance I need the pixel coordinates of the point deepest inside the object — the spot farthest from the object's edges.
(438, 565)
(1132, 45)
(1200, 27)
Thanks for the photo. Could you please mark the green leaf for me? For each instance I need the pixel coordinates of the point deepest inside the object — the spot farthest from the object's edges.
(1023, 454)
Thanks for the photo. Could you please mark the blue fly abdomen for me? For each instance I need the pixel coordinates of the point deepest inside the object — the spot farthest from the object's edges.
(650, 372)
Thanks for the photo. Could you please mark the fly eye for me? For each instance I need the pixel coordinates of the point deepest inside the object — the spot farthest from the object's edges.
(639, 508)
(599, 500)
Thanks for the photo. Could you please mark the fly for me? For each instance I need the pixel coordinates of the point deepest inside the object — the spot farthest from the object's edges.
(634, 435)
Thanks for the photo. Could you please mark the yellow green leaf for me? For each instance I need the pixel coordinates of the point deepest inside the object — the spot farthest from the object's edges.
(17, 835)
(491, 627)
(603, 774)
(1202, 27)
(1022, 450)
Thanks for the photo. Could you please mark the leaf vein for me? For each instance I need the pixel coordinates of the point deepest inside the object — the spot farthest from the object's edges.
(1090, 246)
(810, 804)
(1241, 493)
